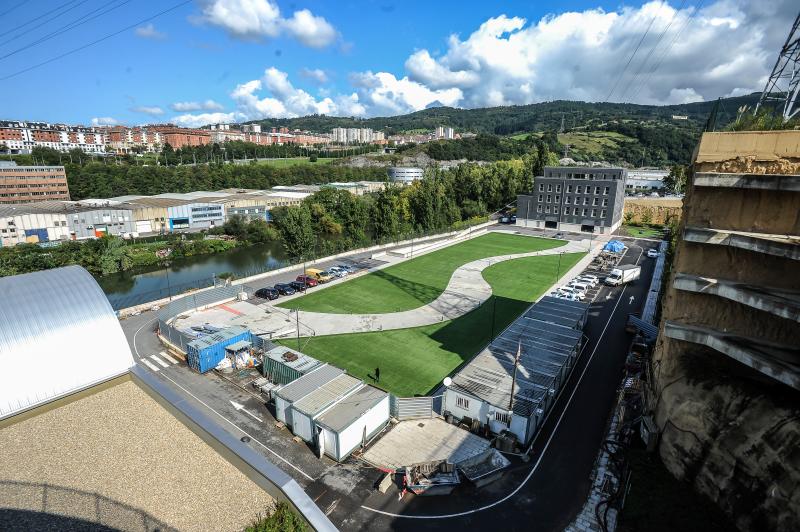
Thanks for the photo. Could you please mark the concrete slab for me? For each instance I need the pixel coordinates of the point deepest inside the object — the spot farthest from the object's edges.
(424, 440)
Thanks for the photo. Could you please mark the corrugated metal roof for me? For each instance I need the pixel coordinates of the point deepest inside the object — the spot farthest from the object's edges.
(327, 395)
(346, 412)
(303, 363)
(217, 337)
(58, 335)
(299, 388)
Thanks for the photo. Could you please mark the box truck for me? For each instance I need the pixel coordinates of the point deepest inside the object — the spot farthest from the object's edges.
(623, 274)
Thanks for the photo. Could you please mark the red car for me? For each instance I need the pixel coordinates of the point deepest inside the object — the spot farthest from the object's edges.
(310, 281)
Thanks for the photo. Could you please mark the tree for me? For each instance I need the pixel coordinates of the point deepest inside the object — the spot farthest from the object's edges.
(312, 158)
(647, 216)
(295, 227)
(675, 181)
(628, 217)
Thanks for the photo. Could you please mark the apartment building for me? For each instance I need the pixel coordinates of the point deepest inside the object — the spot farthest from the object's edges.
(22, 137)
(353, 135)
(575, 199)
(443, 132)
(725, 374)
(29, 184)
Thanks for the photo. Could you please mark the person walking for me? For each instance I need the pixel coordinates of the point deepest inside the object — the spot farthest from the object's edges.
(377, 374)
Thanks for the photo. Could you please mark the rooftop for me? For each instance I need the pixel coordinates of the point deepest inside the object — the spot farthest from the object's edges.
(327, 395)
(149, 469)
(349, 410)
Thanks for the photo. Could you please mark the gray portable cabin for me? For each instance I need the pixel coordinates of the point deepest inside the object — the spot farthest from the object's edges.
(306, 410)
(287, 395)
(352, 422)
(548, 337)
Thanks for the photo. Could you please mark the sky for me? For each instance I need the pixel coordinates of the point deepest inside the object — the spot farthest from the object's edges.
(195, 62)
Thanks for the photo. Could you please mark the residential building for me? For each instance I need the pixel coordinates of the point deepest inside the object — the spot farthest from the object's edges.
(443, 132)
(29, 184)
(725, 373)
(22, 137)
(645, 180)
(575, 199)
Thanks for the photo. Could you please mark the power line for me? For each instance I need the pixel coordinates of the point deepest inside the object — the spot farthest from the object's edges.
(666, 51)
(630, 59)
(4, 13)
(101, 39)
(31, 21)
(67, 27)
(652, 49)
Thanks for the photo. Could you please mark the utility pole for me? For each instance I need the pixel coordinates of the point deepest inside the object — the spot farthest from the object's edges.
(297, 318)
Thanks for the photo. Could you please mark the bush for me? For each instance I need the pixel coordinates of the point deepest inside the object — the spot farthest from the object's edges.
(280, 518)
(312, 158)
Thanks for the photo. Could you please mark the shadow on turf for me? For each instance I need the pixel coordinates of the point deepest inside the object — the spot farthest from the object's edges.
(421, 292)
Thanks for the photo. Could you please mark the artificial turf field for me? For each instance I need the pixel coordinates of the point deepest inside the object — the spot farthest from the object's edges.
(416, 282)
(414, 361)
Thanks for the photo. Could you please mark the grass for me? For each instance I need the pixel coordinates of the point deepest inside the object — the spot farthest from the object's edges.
(294, 161)
(416, 282)
(414, 361)
(643, 231)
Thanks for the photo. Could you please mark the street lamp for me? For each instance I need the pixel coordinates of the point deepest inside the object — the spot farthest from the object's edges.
(558, 270)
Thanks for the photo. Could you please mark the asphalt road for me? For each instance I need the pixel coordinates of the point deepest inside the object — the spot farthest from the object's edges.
(544, 494)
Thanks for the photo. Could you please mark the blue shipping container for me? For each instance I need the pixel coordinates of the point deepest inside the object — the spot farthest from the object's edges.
(205, 353)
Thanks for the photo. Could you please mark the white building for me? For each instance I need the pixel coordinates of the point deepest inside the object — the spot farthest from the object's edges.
(651, 179)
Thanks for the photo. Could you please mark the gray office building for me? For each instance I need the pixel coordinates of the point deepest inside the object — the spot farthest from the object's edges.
(576, 199)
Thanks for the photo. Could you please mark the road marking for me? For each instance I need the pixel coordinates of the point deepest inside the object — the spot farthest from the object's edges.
(546, 445)
(190, 394)
(159, 361)
(166, 356)
(241, 408)
(149, 364)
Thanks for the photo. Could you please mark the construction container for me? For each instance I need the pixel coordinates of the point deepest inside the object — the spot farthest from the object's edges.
(205, 353)
(283, 365)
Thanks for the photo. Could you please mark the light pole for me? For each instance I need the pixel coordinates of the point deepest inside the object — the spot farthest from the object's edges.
(558, 270)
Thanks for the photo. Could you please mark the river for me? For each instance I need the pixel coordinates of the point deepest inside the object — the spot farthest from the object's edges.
(131, 288)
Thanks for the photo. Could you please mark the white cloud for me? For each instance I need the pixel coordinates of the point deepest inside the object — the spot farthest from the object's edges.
(316, 75)
(148, 31)
(257, 19)
(151, 110)
(201, 119)
(104, 121)
(383, 93)
(310, 29)
(581, 55)
(208, 105)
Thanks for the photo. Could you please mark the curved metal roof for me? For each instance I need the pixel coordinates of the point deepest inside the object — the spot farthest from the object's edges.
(58, 335)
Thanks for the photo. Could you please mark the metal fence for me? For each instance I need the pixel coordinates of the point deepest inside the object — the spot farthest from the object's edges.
(191, 302)
(403, 408)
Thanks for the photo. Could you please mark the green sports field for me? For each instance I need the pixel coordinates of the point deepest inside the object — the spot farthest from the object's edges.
(416, 282)
(414, 361)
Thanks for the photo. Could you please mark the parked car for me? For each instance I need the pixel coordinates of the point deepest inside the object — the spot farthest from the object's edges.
(590, 280)
(319, 275)
(513, 218)
(299, 286)
(333, 271)
(568, 290)
(595, 279)
(652, 253)
(267, 293)
(284, 289)
(563, 295)
(347, 268)
(310, 281)
(577, 284)
(505, 220)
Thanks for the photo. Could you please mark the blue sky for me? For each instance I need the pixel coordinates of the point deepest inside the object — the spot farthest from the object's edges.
(229, 60)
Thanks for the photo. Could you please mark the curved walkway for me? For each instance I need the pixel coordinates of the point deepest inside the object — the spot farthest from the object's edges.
(466, 291)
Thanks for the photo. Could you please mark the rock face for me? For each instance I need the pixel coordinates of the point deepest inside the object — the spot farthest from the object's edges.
(726, 427)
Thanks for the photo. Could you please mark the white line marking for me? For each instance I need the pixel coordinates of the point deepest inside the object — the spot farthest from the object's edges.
(149, 364)
(241, 407)
(167, 357)
(252, 438)
(546, 445)
(159, 361)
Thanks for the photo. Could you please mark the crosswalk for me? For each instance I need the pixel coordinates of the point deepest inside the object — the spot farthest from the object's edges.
(161, 360)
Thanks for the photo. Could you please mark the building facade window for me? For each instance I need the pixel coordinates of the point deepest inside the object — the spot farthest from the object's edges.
(549, 187)
(558, 188)
(462, 402)
(541, 187)
(539, 208)
(605, 191)
(569, 188)
(603, 213)
(579, 189)
(558, 199)
(549, 198)
(541, 197)
(567, 200)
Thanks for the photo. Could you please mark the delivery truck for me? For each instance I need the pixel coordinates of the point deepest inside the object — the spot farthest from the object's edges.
(623, 274)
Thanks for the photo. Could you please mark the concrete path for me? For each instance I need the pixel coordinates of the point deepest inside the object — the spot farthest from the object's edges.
(466, 291)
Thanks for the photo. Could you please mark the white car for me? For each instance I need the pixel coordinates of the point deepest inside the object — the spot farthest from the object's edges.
(582, 286)
(591, 281)
(568, 290)
(652, 253)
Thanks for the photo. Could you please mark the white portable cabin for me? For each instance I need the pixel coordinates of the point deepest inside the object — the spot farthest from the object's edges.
(307, 409)
(352, 421)
(287, 395)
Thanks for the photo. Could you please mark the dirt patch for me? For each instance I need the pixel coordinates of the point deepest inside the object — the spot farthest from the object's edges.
(752, 165)
(660, 209)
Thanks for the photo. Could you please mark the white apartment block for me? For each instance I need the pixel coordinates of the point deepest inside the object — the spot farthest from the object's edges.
(22, 137)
